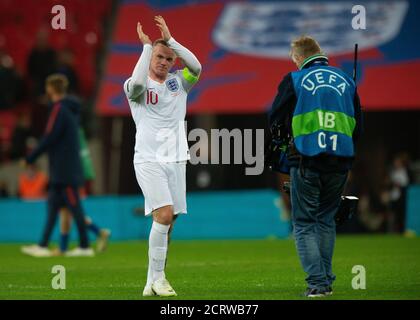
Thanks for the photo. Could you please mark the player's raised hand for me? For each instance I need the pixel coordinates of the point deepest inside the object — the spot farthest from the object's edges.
(160, 22)
(144, 38)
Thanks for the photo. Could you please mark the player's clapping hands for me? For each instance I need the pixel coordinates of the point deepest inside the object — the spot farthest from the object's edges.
(160, 22)
(144, 38)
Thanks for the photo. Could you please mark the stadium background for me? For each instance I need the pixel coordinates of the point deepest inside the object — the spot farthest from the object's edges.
(243, 49)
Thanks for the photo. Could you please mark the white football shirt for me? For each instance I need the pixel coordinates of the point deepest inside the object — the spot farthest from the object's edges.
(159, 114)
(158, 109)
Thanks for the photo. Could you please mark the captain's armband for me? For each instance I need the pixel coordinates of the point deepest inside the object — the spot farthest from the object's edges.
(189, 76)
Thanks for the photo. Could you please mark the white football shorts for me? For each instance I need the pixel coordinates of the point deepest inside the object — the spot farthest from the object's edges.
(162, 184)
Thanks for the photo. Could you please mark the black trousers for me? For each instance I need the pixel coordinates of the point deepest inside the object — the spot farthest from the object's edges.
(59, 197)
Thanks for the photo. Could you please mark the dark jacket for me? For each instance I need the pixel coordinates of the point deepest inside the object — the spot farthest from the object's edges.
(61, 141)
(282, 112)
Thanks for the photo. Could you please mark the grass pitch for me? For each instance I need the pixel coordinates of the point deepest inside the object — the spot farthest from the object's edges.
(246, 269)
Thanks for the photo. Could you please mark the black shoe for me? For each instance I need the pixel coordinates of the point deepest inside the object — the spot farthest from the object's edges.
(329, 291)
(315, 293)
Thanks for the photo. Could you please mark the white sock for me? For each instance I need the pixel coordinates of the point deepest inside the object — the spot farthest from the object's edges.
(149, 274)
(158, 246)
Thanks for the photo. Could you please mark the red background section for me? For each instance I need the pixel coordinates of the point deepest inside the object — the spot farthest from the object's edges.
(237, 83)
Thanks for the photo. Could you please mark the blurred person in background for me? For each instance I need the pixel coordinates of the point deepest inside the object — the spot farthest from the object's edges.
(102, 235)
(371, 210)
(4, 192)
(65, 66)
(400, 179)
(61, 141)
(11, 83)
(32, 183)
(42, 61)
(87, 163)
(2, 145)
(21, 134)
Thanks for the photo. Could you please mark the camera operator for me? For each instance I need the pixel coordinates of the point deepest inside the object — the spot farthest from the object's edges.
(315, 120)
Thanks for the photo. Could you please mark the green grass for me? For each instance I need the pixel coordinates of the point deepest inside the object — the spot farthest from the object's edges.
(248, 269)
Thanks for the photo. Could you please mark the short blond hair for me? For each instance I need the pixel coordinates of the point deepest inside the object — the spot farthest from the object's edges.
(58, 82)
(304, 46)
